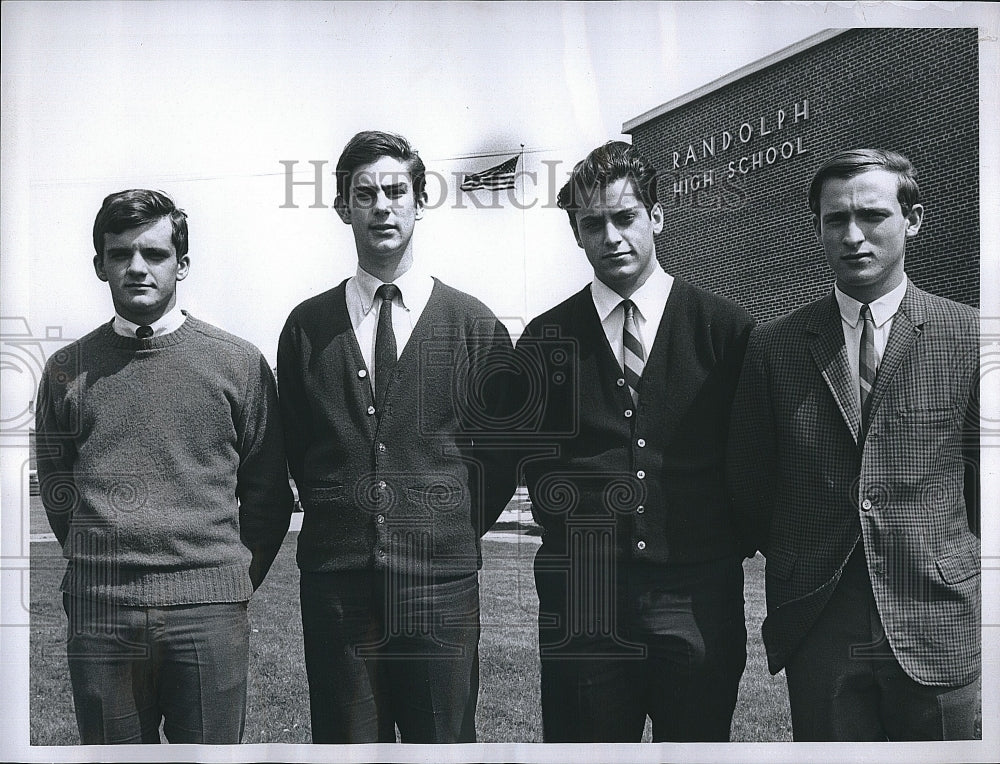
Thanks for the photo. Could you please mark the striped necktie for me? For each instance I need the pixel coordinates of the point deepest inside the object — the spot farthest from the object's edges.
(867, 365)
(634, 355)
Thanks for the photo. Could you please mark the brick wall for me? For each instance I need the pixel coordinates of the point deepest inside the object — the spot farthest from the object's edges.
(749, 237)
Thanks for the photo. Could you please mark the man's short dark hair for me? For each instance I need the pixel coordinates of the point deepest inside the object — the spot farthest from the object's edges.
(370, 145)
(137, 207)
(603, 166)
(847, 164)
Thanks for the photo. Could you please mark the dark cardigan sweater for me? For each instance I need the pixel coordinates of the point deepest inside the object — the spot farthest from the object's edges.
(403, 489)
(650, 475)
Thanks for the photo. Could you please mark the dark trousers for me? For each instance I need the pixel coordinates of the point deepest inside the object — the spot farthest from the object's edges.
(845, 684)
(618, 643)
(134, 667)
(383, 651)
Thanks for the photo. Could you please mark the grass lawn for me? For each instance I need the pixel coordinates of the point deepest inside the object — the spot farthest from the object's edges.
(278, 698)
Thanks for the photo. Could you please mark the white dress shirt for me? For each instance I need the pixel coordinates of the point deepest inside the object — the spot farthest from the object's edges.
(168, 322)
(650, 300)
(883, 311)
(363, 306)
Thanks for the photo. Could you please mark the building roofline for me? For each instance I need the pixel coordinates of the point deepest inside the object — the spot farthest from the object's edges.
(721, 82)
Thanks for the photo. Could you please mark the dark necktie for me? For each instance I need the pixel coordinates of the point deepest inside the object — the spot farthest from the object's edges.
(144, 332)
(634, 355)
(867, 365)
(385, 343)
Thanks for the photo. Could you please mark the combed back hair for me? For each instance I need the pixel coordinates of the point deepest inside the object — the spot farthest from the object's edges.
(603, 166)
(370, 145)
(847, 164)
(137, 207)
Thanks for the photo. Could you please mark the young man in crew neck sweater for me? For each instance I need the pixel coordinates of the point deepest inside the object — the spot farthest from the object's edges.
(162, 472)
(386, 381)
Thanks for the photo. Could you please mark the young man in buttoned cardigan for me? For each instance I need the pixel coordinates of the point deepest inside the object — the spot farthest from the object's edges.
(639, 576)
(395, 493)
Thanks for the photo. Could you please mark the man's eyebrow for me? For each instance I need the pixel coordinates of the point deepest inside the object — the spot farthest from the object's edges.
(397, 186)
(144, 248)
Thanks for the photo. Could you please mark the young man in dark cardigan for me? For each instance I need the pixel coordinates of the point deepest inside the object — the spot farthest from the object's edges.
(381, 384)
(639, 576)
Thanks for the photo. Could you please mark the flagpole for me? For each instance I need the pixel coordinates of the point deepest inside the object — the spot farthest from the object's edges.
(524, 243)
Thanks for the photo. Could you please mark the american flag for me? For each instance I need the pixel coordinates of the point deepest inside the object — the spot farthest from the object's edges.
(495, 179)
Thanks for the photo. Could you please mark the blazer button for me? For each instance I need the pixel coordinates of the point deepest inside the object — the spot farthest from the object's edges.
(628, 413)
(620, 382)
(371, 410)
(866, 504)
(362, 373)
(640, 545)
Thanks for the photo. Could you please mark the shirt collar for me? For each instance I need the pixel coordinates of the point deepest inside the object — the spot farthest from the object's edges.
(648, 298)
(165, 324)
(414, 288)
(884, 308)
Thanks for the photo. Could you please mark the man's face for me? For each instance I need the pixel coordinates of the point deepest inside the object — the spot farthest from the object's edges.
(382, 210)
(616, 232)
(863, 232)
(142, 268)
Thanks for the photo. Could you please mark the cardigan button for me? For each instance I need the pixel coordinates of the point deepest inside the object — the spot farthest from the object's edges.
(381, 448)
(628, 413)
(641, 442)
(640, 474)
(640, 509)
(381, 485)
(640, 545)
(371, 410)
(380, 519)
(362, 373)
(866, 505)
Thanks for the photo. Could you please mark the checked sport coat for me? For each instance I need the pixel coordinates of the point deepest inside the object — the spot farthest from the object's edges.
(808, 485)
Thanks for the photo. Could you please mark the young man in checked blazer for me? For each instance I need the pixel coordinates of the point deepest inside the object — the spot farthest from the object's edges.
(853, 462)
(628, 387)
(387, 384)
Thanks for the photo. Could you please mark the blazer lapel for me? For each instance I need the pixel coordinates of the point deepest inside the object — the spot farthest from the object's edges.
(906, 327)
(830, 354)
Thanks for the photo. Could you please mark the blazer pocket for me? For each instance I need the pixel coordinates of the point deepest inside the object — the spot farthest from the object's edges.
(959, 566)
(781, 564)
(926, 414)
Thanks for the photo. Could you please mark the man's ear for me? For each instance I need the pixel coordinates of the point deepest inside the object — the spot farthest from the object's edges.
(656, 216)
(914, 219)
(99, 267)
(817, 228)
(183, 267)
(420, 202)
(342, 209)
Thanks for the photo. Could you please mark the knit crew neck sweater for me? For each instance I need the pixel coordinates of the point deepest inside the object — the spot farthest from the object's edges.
(161, 465)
